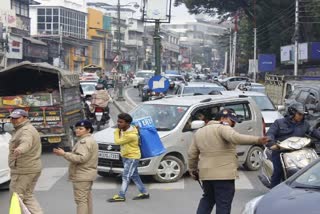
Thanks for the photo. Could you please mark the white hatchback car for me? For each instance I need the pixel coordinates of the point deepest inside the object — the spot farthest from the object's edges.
(4, 151)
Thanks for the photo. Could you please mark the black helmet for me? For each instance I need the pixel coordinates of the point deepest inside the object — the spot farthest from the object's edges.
(296, 107)
(99, 87)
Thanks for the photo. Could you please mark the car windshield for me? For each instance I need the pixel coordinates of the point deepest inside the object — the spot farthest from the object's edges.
(201, 90)
(309, 179)
(144, 75)
(88, 87)
(165, 117)
(258, 89)
(263, 103)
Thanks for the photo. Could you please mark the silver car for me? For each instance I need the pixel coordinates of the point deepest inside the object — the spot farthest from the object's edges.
(172, 116)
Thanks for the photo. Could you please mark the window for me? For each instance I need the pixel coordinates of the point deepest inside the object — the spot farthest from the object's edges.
(21, 8)
(242, 110)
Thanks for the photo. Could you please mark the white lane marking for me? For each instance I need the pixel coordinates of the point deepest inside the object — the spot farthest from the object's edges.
(131, 102)
(167, 186)
(50, 176)
(102, 183)
(243, 182)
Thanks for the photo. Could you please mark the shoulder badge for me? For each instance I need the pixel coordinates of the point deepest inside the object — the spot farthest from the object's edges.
(83, 141)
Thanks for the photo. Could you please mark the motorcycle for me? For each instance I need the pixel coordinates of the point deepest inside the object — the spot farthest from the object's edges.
(99, 116)
(295, 155)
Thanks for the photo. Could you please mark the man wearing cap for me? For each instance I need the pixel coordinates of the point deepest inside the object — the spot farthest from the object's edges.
(24, 159)
(292, 125)
(213, 159)
(83, 165)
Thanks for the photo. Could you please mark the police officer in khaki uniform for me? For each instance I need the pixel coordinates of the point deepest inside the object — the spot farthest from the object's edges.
(213, 155)
(83, 165)
(24, 159)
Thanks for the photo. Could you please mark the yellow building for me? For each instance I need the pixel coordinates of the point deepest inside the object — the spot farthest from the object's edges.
(99, 36)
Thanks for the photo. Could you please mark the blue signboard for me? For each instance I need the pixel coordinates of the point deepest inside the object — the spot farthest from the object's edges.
(315, 51)
(267, 62)
(158, 84)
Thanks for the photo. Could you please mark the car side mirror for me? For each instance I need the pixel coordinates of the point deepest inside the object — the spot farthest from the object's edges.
(197, 124)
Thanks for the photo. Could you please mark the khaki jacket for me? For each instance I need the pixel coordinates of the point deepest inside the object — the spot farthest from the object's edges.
(27, 140)
(213, 151)
(83, 159)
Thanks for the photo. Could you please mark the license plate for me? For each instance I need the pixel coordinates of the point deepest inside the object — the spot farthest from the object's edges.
(54, 139)
(99, 113)
(109, 155)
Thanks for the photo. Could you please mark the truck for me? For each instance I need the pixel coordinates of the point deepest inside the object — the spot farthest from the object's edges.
(49, 94)
(280, 87)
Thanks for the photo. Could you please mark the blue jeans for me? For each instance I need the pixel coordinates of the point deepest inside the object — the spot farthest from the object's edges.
(219, 193)
(130, 171)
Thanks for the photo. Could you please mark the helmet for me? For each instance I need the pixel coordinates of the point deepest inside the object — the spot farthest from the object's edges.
(99, 87)
(296, 107)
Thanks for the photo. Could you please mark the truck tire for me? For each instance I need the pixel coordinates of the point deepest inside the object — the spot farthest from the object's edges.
(169, 170)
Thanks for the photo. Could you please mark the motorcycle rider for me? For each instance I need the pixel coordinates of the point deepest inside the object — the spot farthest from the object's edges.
(292, 125)
(100, 98)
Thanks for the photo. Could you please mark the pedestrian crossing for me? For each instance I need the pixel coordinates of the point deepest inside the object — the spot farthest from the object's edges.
(53, 175)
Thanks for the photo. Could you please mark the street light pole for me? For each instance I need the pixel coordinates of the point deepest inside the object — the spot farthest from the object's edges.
(296, 42)
(157, 48)
(119, 80)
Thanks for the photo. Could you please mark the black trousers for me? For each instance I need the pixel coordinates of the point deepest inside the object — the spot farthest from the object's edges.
(219, 193)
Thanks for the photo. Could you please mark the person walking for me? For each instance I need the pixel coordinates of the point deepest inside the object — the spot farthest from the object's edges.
(83, 165)
(127, 137)
(212, 158)
(24, 159)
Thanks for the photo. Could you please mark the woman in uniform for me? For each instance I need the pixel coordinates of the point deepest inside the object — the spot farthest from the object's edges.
(83, 165)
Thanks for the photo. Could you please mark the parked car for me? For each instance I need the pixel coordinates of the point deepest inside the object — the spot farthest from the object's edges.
(299, 194)
(231, 82)
(251, 86)
(175, 79)
(172, 117)
(268, 110)
(4, 151)
(141, 76)
(199, 88)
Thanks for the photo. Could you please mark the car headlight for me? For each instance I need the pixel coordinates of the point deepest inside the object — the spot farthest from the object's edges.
(251, 206)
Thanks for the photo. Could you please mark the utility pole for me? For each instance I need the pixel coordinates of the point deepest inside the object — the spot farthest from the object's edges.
(157, 48)
(119, 80)
(255, 44)
(296, 42)
(60, 46)
(230, 53)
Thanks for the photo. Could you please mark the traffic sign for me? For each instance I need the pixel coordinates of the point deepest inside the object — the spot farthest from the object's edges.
(158, 84)
(117, 59)
(114, 70)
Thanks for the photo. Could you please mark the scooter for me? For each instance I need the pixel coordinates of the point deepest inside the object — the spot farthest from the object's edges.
(99, 116)
(294, 156)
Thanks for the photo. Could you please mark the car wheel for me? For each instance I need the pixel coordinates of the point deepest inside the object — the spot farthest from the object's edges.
(5, 186)
(253, 161)
(169, 170)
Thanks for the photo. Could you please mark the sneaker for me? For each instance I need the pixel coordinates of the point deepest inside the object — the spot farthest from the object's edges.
(117, 198)
(142, 196)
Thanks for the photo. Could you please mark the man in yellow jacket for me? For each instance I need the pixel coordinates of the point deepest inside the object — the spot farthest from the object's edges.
(127, 137)
(213, 155)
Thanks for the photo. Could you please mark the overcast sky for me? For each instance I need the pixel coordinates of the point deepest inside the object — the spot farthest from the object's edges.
(179, 14)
